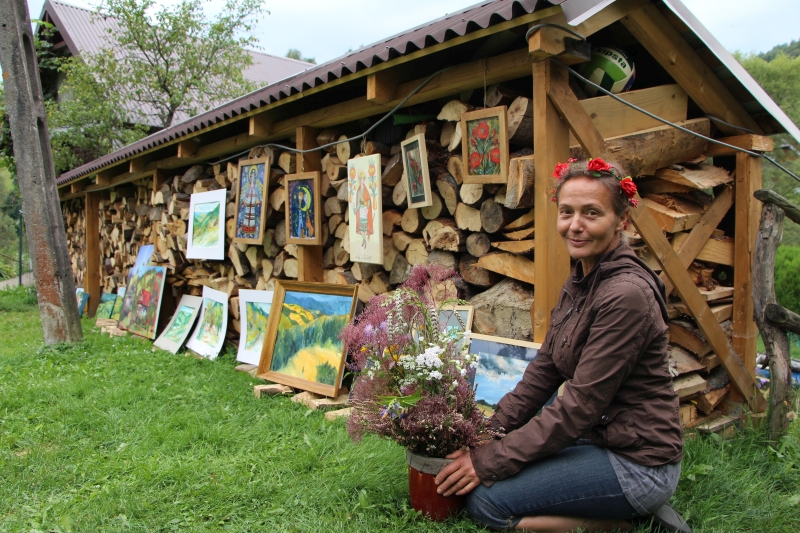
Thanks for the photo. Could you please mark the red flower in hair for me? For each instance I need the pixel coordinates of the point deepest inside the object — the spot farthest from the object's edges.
(495, 155)
(598, 165)
(561, 168)
(482, 131)
(474, 159)
(628, 187)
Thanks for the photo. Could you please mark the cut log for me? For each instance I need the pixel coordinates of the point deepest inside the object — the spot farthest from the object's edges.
(375, 147)
(401, 239)
(277, 199)
(433, 211)
(364, 271)
(290, 267)
(504, 310)
(340, 256)
(495, 216)
(400, 270)
(412, 221)
(446, 135)
(280, 233)
(453, 110)
(393, 171)
(497, 95)
(399, 194)
(475, 275)
(670, 220)
(327, 136)
(519, 190)
(523, 222)
(509, 265)
(334, 206)
(391, 218)
(455, 167)
(379, 283)
(478, 244)
(448, 189)
(443, 258)
(520, 122)
(702, 176)
(515, 247)
(686, 335)
(389, 253)
(471, 193)
(288, 162)
(689, 384)
(719, 251)
(455, 141)
(708, 401)
(193, 174)
(346, 150)
(416, 253)
(448, 239)
(468, 218)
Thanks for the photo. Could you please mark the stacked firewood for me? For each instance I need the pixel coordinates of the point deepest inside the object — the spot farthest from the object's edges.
(75, 226)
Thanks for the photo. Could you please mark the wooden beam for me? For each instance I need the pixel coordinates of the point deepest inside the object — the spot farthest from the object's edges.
(780, 316)
(187, 148)
(791, 209)
(509, 265)
(137, 165)
(117, 180)
(260, 125)
(381, 86)
(551, 144)
(309, 258)
(92, 281)
(654, 31)
(158, 180)
(747, 217)
(580, 123)
(754, 143)
(78, 186)
(104, 177)
(697, 306)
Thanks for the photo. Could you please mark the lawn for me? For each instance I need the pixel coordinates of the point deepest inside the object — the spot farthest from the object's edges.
(114, 435)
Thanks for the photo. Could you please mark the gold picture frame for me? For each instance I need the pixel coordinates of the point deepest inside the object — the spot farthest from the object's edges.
(416, 172)
(298, 220)
(251, 207)
(484, 145)
(447, 313)
(296, 307)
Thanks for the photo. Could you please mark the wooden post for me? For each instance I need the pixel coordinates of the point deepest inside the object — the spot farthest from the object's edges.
(748, 214)
(309, 258)
(91, 279)
(551, 145)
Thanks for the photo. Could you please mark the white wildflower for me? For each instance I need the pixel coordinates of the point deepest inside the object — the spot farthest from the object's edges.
(435, 374)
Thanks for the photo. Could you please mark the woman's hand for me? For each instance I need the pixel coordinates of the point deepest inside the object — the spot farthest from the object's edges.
(458, 477)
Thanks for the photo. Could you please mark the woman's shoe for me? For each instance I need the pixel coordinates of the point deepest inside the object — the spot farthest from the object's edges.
(668, 519)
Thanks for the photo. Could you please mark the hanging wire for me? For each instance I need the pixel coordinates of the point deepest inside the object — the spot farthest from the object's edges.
(537, 27)
(362, 136)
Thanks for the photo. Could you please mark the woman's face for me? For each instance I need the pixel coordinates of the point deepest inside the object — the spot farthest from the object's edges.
(586, 220)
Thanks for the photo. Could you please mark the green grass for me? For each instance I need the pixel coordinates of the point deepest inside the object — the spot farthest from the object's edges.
(113, 435)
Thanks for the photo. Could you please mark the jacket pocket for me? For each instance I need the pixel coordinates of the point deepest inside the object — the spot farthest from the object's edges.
(620, 430)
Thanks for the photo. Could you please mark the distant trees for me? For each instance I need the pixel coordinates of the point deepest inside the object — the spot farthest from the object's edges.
(296, 54)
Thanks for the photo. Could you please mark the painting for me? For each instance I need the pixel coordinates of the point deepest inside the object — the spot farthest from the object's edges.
(142, 301)
(254, 308)
(303, 209)
(366, 210)
(181, 324)
(251, 194)
(209, 334)
(81, 298)
(118, 304)
(207, 225)
(501, 364)
(485, 145)
(456, 318)
(417, 175)
(302, 347)
(106, 305)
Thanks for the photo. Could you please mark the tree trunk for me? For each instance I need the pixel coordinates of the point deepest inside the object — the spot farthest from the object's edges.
(44, 225)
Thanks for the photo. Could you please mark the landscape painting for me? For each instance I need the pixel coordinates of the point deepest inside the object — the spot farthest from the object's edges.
(365, 205)
(250, 195)
(254, 308)
(81, 298)
(106, 305)
(142, 301)
(207, 225)
(303, 209)
(501, 365)
(181, 324)
(485, 145)
(302, 347)
(209, 334)
(118, 304)
(417, 175)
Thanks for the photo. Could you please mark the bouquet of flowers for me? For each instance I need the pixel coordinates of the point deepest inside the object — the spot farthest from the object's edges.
(412, 383)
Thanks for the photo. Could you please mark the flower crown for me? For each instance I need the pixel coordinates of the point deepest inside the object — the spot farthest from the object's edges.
(596, 167)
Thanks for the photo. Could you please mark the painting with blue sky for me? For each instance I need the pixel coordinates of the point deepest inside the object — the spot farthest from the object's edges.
(500, 367)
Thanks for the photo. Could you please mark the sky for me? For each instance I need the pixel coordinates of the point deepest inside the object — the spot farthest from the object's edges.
(324, 29)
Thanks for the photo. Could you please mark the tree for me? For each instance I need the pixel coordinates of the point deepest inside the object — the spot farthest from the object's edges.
(293, 53)
(787, 267)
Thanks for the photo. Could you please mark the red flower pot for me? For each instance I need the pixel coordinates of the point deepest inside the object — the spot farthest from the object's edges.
(422, 472)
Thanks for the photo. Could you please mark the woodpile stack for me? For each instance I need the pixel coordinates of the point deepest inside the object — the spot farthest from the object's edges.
(75, 226)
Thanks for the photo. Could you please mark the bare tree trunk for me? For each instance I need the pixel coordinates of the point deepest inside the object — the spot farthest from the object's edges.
(775, 340)
(37, 182)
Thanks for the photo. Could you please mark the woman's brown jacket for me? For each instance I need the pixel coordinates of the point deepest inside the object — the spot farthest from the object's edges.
(608, 342)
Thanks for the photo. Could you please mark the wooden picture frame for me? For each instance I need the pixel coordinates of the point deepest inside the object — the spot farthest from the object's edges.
(254, 310)
(207, 225)
(501, 365)
(298, 219)
(365, 205)
(484, 146)
(447, 313)
(252, 191)
(180, 325)
(296, 307)
(416, 172)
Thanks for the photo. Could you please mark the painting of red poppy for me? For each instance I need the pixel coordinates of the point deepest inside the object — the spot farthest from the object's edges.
(417, 175)
(485, 145)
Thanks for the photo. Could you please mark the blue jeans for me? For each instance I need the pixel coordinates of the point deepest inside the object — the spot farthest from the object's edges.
(578, 481)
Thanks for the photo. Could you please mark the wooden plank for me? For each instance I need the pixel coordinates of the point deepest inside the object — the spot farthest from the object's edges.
(682, 362)
(780, 316)
(702, 177)
(260, 125)
(747, 216)
(698, 307)
(579, 121)
(247, 369)
(754, 143)
(551, 144)
(137, 165)
(516, 247)
(309, 258)
(271, 389)
(682, 334)
(718, 425)
(510, 265)
(670, 49)
(104, 176)
(719, 251)
(717, 293)
(707, 402)
(670, 220)
(92, 281)
(187, 148)
(688, 414)
(791, 209)
(77, 187)
(721, 312)
(689, 384)
(339, 413)
(381, 86)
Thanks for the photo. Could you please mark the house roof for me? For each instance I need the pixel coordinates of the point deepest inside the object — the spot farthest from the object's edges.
(460, 23)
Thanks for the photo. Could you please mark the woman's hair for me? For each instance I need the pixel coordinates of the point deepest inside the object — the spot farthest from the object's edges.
(579, 168)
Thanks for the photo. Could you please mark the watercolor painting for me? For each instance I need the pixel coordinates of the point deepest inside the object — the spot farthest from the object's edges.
(501, 365)
(303, 209)
(180, 325)
(207, 225)
(485, 145)
(142, 302)
(254, 308)
(81, 298)
(417, 175)
(365, 205)
(106, 305)
(250, 195)
(209, 334)
(118, 304)
(303, 347)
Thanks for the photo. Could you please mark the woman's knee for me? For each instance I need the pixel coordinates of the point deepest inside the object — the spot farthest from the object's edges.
(481, 506)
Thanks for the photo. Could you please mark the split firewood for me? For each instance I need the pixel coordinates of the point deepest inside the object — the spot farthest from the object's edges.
(497, 95)
(520, 122)
(400, 270)
(523, 222)
(521, 174)
(478, 244)
(288, 162)
(365, 271)
(346, 150)
(255, 255)
(504, 310)
(515, 247)
(434, 210)
(389, 253)
(443, 258)
(695, 177)
(416, 253)
(453, 110)
(334, 206)
(364, 293)
(446, 135)
(447, 237)
(412, 221)
(393, 171)
(708, 401)
(521, 234)
(401, 239)
(688, 336)
(455, 140)
(239, 260)
(474, 274)
(277, 199)
(280, 233)
(290, 267)
(391, 218)
(327, 136)
(374, 147)
(471, 193)
(509, 265)
(448, 189)
(379, 283)
(399, 195)
(468, 218)
(495, 216)
(193, 174)
(340, 256)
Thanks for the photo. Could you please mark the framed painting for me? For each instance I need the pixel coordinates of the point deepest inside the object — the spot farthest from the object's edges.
(303, 209)
(142, 301)
(485, 145)
(254, 308)
(81, 297)
(501, 364)
(181, 324)
(416, 172)
(302, 347)
(209, 334)
(366, 209)
(106, 306)
(456, 318)
(118, 304)
(251, 194)
(207, 225)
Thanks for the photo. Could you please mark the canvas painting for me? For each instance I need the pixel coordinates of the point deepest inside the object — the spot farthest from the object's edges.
(302, 346)
(366, 211)
(209, 334)
(81, 298)
(417, 175)
(254, 308)
(457, 318)
(181, 324)
(303, 209)
(106, 305)
(501, 365)
(485, 145)
(142, 302)
(207, 225)
(118, 304)
(251, 193)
